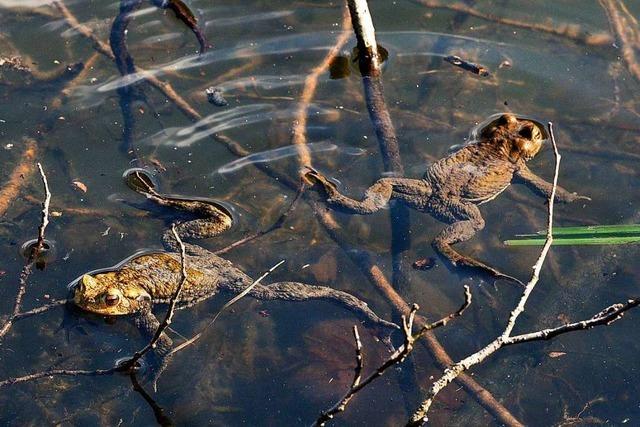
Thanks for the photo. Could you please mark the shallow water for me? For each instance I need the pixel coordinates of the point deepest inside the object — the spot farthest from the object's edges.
(279, 363)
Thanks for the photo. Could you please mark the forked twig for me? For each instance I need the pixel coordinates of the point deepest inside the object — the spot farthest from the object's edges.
(397, 357)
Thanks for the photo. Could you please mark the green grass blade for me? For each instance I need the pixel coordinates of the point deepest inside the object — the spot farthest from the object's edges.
(622, 240)
(595, 230)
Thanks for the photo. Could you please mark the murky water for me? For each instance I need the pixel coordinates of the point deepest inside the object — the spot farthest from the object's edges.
(279, 363)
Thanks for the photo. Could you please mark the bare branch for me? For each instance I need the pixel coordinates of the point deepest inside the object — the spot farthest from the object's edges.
(57, 372)
(397, 357)
(605, 317)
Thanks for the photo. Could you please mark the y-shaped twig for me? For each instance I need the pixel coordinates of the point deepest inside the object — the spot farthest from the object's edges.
(33, 255)
(397, 357)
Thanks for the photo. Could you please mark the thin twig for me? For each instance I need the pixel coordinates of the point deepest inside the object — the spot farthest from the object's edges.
(224, 307)
(58, 372)
(162, 418)
(44, 221)
(33, 255)
(397, 357)
(166, 322)
(41, 309)
(604, 317)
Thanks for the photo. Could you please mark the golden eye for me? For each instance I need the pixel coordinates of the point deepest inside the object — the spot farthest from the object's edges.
(111, 299)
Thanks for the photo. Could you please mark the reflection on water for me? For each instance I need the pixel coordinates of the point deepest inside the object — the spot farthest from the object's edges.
(282, 153)
(276, 363)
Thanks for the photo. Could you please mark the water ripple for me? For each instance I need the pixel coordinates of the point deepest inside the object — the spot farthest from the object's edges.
(223, 22)
(225, 120)
(283, 152)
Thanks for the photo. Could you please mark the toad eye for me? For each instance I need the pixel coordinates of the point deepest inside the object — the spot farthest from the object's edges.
(111, 299)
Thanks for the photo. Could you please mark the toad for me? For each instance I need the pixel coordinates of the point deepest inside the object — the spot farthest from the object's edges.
(133, 286)
(452, 188)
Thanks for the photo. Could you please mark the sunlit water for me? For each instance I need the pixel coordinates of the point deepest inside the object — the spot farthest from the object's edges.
(279, 363)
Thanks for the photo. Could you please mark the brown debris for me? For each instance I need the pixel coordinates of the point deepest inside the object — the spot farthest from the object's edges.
(79, 186)
(467, 66)
(424, 263)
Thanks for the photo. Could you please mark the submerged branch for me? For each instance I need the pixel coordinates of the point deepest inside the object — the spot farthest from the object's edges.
(19, 176)
(626, 30)
(570, 31)
(369, 64)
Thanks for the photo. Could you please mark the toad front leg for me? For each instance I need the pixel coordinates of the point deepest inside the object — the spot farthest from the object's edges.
(465, 220)
(544, 188)
(414, 192)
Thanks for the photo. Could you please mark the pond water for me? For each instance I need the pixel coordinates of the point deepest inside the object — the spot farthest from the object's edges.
(278, 362)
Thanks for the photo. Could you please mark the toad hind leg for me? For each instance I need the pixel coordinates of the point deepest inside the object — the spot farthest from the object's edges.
(413, 192)
(464, 225)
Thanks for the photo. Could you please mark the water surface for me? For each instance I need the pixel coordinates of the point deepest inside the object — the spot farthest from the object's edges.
(278, 363)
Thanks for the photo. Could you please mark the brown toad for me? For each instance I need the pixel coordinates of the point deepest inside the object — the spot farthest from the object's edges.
(453, 187)
(137, 283)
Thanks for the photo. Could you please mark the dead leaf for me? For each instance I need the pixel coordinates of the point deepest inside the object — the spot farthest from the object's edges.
(326, 269)
(80, 186)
